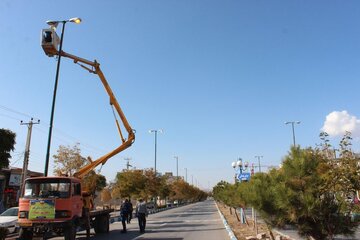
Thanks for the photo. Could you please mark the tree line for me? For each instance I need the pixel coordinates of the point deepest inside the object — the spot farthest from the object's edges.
(314, 190)
(132, 184)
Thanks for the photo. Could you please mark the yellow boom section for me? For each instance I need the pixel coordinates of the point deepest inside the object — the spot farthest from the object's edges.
(131, 135)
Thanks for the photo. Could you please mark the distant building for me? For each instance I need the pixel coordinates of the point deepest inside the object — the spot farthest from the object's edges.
(170, 178)
(10, 182)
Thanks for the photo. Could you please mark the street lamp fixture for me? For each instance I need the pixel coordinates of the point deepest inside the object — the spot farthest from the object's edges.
(293, 130)
(53, 23)
(239, 167)
(49, 44)
(155, 131)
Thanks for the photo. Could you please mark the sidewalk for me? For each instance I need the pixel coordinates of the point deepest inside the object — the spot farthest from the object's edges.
(288, 232)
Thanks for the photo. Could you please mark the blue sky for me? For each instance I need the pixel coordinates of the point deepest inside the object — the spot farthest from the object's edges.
(219, 77)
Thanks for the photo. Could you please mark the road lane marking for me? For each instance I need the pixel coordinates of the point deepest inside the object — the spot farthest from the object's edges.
(177, 221)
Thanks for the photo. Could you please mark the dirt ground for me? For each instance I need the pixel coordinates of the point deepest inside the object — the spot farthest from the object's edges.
(240, 230)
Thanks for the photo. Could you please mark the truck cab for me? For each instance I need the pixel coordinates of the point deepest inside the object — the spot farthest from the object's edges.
(49, 204)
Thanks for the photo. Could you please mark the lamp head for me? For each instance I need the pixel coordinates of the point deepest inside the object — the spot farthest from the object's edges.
(52, 24)
(297, 122)
(233, 164)
(75, 20)
(155, 130)
(239, 163)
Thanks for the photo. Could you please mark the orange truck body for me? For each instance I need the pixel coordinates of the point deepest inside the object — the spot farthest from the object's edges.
(52, 206)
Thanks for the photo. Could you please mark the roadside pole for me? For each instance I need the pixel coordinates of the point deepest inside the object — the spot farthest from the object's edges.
(27, 151)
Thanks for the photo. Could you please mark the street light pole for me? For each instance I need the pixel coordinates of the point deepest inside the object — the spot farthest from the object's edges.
(239, 167)
(55, 23)
(155, 131)
(185, 174)
(177, 167)
(293, 129)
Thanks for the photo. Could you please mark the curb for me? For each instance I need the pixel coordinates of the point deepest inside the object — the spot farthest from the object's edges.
(284, 235)
(226, 225)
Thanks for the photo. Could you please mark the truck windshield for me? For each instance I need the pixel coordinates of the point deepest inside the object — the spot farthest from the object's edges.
(45, 188)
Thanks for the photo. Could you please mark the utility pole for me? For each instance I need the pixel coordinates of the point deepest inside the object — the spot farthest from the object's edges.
(127, 163)
(258, 157)
(27, 150)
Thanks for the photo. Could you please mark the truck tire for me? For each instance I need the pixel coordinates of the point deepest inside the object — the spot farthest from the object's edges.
(25, 234)
(102, 224)
(70, 232)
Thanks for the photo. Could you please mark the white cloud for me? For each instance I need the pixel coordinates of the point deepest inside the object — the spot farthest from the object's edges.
(337, 123)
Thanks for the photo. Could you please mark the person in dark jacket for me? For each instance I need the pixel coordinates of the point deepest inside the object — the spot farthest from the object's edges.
(124, 213)
(131, 209)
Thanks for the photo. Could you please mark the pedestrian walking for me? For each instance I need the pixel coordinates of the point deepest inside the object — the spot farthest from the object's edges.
(141, 213)
(88, 204)
(131, 209)
(124, 213)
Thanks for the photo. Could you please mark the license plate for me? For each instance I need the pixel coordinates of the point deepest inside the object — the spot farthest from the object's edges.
(27, 224)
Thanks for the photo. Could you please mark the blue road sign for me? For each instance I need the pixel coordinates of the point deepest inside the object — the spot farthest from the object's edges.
(244, 177)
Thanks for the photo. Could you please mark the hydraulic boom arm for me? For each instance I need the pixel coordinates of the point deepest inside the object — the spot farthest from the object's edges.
(94, 67)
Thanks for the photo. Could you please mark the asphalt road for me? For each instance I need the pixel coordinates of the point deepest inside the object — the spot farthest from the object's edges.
(200, 221)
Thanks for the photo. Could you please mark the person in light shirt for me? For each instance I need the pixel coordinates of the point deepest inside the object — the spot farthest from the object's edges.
(88, 204)
(141, 213)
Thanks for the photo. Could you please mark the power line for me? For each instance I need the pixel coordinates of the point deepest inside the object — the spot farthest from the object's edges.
(20, 156)
(68, 138)
(17, 112)
(17, 119)
(95, 149)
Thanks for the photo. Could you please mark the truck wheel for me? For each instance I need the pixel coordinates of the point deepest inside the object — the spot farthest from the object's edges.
(25, 234)
(102, 224)
(70, 232)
